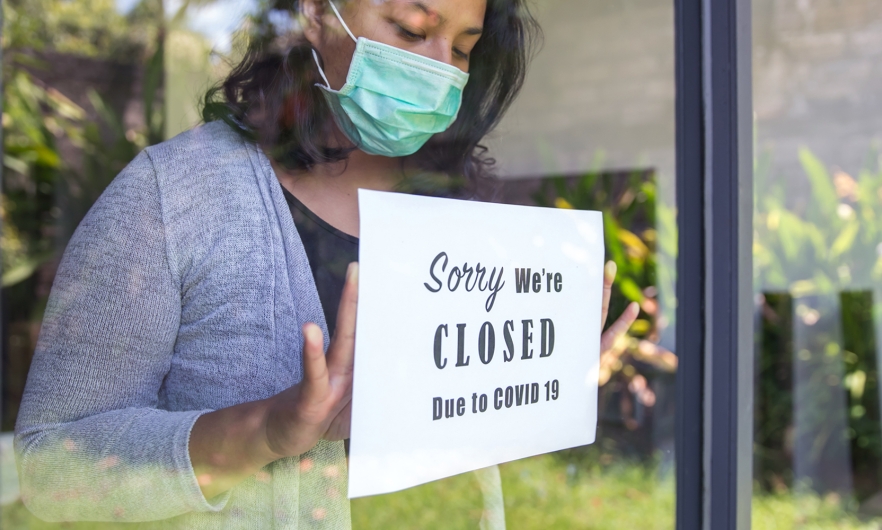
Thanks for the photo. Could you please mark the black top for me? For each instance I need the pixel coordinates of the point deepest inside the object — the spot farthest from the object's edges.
(329, 252)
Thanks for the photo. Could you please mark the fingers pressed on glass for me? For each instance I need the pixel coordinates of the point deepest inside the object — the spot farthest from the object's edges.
(609, 277)
(314, 366)
(620, 326)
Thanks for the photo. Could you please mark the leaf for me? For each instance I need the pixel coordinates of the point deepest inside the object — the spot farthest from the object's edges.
(801, 288)
(823, 191)
(613, 244)
(562, 203)
(106, 113)
(641, 327)
(667, 229)
(877, 270)
(818, 240)
(47, 156)
(630, 289)
(64, 105)
(823, 283)
(790, 234)
(15, 164)
(634, 243)
(153, 80)
(22, 271)
(845, 239)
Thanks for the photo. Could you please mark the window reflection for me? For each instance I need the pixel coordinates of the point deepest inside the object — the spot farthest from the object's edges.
(817, 263)
(592, 130)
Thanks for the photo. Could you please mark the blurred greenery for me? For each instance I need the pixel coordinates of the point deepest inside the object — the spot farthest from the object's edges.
(91, 28)
(823, 241)
(44, 194)
(817, 258)
(32, 120)
(59, 155)
(637, 374)
(546, 493)
(628, 206)
(817, 263)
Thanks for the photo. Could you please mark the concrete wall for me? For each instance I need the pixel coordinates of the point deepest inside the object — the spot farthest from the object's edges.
(817, 82)
(603, 84)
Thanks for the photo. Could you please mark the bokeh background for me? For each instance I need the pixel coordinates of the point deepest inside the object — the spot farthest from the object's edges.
(87, 84)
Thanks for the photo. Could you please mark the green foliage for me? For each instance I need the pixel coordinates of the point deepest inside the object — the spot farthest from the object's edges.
(58, 157)
(91, 28)
(33, 118)
(861, 383)
(817, 262)
(639, 230)
(636, 367)
(154, 115)
(44, 196)
(785, 511)
(825, 244)
(543, 492)
(628, 206)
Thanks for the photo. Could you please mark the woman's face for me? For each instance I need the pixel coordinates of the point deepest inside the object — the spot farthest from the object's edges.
(444, 30)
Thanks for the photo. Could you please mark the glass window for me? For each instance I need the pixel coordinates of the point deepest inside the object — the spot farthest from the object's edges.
(89, 85)
(818, 178)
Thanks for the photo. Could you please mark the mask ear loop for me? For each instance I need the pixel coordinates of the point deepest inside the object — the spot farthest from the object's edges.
(322, 72)
(315, 55)
(340, 18)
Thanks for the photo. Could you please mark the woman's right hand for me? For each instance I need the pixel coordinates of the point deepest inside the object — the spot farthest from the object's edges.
(230, 444)
(320, 406)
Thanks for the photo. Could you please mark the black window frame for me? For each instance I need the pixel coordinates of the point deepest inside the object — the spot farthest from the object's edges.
(714, 425)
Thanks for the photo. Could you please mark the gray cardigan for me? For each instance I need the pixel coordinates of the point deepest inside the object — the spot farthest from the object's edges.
(183, 290)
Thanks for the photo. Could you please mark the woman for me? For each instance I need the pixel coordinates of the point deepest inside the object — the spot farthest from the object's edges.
(180, 376)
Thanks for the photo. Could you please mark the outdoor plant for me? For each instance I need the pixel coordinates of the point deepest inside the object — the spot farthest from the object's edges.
(817, 264)
(33, 119)
(637, 370)
(818, 258)
(59, 155)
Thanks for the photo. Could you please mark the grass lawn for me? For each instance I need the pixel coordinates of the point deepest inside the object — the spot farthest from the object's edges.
(545, 493)
(540, 493)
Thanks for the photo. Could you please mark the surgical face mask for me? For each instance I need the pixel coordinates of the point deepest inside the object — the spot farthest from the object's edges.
(393, 100)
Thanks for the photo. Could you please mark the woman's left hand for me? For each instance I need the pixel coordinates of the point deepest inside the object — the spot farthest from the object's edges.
(620, 326)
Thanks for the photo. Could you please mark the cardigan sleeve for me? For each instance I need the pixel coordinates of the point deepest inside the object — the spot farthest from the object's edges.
(91, 442)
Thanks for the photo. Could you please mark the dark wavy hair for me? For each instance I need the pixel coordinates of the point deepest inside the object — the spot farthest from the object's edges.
(270, 96)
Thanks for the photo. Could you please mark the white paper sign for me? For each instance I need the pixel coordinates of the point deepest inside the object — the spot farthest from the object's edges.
(477, 339)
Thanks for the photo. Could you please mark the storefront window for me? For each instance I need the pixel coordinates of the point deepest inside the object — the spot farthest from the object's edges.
(817, 268)
(89, 85)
